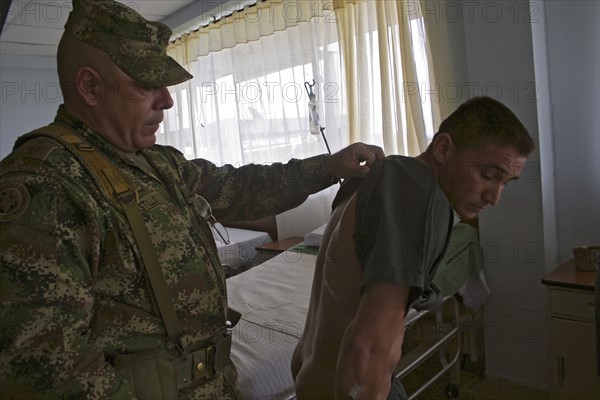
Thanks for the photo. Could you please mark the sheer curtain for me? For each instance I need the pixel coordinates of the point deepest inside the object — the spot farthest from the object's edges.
(388, 74)
(248, 103)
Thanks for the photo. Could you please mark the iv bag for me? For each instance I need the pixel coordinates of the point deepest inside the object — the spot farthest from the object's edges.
(313, 116)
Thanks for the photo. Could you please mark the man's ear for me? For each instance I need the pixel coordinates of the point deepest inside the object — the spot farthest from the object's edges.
(442, 147)
(88, 85)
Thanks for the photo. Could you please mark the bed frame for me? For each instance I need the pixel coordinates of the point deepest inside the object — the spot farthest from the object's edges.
(445, 342)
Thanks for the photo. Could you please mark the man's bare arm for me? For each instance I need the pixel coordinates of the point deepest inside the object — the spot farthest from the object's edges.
(372, 344)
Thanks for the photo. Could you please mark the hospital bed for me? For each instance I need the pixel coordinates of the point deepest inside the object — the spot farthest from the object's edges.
(240, 253)
(273, 299)
(244, 237)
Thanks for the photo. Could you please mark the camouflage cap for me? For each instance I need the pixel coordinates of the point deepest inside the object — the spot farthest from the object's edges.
(136, 45)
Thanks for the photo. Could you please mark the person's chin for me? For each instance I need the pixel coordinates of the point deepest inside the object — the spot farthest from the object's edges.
(147, 139)
(467, 213)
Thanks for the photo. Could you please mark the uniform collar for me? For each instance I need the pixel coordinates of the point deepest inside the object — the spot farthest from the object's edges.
(98, 141)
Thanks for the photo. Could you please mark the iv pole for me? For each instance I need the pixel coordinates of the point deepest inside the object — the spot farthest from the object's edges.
(313, 115)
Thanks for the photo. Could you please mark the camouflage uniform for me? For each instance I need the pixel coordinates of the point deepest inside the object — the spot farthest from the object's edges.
(74, 292)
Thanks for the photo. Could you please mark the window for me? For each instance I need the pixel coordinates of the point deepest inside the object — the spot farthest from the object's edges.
(248, 103)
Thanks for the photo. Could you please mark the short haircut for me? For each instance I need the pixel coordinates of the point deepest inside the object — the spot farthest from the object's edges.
(483, 119)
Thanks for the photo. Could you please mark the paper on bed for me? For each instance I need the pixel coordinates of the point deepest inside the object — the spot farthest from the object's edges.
(314, 238)
(241, 250)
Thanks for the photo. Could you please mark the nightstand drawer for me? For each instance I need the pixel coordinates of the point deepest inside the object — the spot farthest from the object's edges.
(572, 304)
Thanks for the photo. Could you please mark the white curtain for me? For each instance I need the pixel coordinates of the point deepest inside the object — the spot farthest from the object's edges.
(247, 102)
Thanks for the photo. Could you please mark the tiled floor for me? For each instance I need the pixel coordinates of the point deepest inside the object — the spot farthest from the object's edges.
(473, 385)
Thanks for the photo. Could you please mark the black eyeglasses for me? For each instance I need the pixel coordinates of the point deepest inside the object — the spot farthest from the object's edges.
(219, 232)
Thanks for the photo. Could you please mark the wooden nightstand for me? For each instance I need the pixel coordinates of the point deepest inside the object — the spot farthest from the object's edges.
(572, 342)
(270, 250)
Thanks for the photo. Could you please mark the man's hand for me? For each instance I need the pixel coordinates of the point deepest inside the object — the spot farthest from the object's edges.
(353, 160)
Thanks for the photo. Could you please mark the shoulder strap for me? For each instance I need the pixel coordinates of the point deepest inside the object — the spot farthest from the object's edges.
(120, 191)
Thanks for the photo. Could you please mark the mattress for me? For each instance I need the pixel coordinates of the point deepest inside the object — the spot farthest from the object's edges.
(241, 251)
(273, 298)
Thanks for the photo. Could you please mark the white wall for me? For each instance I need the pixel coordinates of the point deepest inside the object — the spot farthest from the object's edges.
(500, 65)
(573, 41)
(29, 97)
(512, 48)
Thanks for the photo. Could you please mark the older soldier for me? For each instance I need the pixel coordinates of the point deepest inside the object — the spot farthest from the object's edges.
(111, 284)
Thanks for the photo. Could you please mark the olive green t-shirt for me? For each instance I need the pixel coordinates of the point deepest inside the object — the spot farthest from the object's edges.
(403, 223)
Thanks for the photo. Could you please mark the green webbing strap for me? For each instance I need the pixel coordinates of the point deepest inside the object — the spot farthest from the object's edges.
(120, 191)
(155, 275)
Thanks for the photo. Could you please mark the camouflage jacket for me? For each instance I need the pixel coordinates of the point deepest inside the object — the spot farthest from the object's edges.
(74, 293)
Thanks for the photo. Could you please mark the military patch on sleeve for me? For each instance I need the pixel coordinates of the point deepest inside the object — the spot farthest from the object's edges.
(14, 200)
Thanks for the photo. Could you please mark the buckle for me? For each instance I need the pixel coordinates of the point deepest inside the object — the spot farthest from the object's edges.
(84, 146)
(126, 197)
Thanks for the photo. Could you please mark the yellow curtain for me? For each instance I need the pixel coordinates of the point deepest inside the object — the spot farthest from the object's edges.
(247, 25)
(393, 76)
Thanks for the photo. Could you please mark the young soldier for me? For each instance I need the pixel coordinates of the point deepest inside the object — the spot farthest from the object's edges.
(381, 248)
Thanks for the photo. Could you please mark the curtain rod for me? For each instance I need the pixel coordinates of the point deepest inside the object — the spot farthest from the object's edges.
(229, 14)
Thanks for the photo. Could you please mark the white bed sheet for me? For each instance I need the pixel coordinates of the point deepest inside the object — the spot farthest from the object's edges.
(241, 251)
(273, 298)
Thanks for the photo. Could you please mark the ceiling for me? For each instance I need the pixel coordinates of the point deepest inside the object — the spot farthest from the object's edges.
(34, 27)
